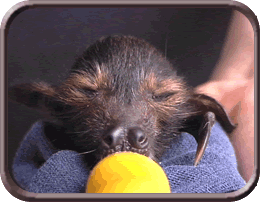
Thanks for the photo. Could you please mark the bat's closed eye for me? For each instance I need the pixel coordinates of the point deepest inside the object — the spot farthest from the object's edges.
(163, 96)
(88, 91)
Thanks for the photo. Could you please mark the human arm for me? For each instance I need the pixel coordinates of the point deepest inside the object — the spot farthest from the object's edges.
(232, 84)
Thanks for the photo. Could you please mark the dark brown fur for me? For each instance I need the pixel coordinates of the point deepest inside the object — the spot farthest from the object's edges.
(121, 83)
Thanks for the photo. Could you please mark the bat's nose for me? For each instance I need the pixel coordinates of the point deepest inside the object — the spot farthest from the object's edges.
(137, 138)
(114, 137)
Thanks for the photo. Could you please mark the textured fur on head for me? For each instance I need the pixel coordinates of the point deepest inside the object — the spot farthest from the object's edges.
(122, 95)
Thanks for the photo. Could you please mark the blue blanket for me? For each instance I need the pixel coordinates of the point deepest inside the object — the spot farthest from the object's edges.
(40, 168)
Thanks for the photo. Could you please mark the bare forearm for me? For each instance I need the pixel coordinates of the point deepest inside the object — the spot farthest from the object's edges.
(235, 71)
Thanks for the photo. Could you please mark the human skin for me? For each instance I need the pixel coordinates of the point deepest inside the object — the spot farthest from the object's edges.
(232, 84)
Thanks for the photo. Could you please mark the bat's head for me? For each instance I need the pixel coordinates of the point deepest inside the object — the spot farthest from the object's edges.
(121, 95)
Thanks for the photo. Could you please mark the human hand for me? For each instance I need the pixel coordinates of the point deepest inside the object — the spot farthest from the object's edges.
(237, 97)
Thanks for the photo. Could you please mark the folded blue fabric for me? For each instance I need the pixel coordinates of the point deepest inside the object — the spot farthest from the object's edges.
(40, 168)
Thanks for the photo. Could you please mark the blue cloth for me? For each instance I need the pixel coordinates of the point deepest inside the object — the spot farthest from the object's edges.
(40, 168)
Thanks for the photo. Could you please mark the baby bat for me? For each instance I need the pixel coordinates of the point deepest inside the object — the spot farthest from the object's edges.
(122, 94)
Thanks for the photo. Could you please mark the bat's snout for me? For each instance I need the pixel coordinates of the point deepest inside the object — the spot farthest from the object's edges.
(124, 139)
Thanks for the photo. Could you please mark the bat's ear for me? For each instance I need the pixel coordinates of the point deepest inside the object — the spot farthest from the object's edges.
(208, 111)
(35, 95)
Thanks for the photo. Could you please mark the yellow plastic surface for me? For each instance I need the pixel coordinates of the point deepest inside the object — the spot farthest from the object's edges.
(127, 172)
